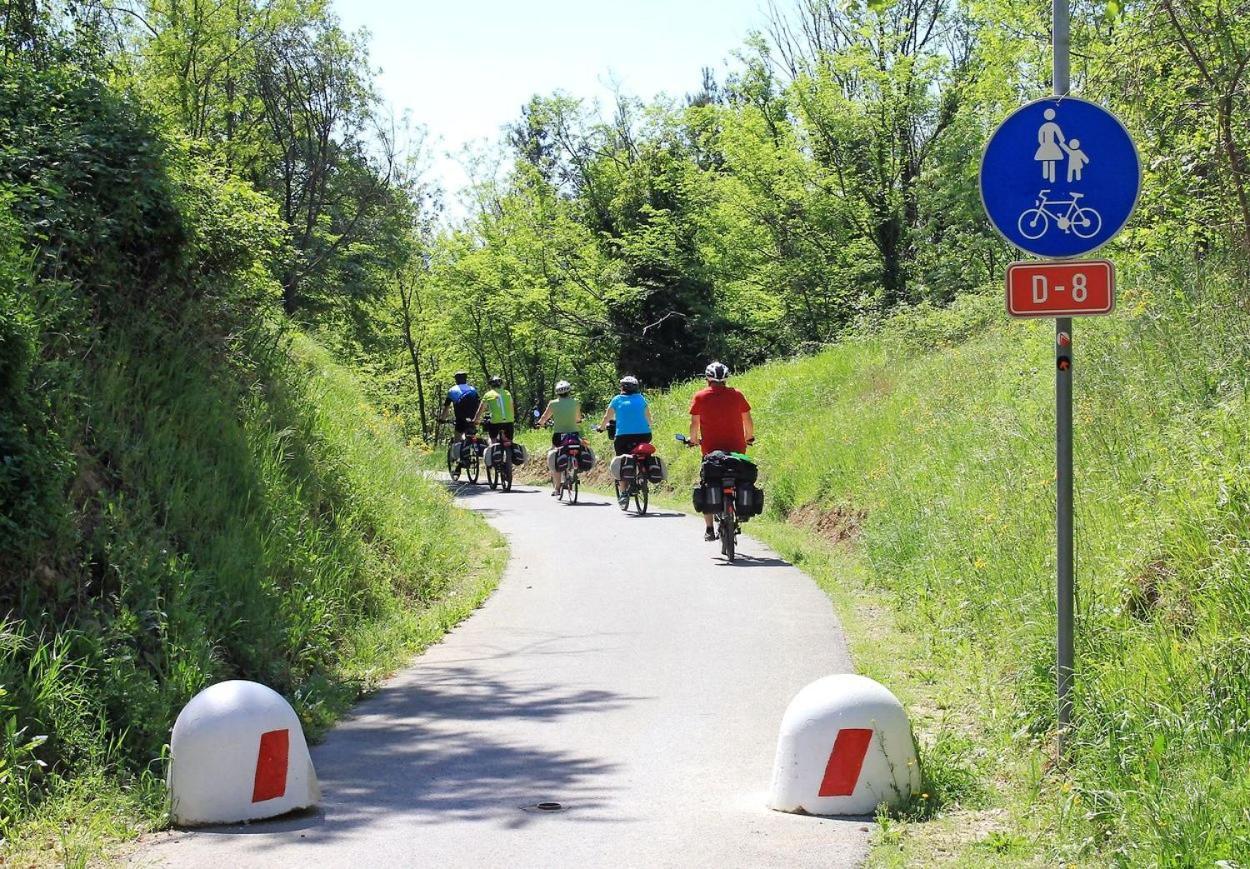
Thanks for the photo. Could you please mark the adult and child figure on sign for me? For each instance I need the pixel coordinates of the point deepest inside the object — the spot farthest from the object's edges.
(1052, 145)
(720, 418)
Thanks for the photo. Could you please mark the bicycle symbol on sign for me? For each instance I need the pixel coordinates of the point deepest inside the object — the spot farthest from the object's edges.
(1084, 221)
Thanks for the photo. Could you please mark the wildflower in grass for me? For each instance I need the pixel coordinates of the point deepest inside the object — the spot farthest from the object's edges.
(979, 564)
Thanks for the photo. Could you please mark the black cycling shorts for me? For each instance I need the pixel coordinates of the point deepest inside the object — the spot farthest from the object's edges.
(493, 429)
(465, 426)
(559, 436)
(624, 445)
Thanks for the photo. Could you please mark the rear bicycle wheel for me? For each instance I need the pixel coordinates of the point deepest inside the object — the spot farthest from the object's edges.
(492, 477)
(642, 497)
(453, 466)
(728, 534)
(474, 468)
(505, 474)
(576, 488)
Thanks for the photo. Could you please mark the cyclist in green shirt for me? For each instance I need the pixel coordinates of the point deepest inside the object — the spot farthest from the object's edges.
(564, 412)
(499, 405)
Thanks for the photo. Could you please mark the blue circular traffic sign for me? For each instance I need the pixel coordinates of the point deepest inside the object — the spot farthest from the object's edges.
(1060, 177)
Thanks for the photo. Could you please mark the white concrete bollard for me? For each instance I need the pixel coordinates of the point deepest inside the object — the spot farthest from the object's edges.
(238, 754)
(845, 747)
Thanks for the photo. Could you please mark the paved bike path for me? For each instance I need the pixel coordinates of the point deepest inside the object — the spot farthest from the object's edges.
(621, 669)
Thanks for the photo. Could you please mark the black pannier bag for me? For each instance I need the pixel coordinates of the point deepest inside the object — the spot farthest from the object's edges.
(718, 465)
(655, 470)
(585, 460)
(623, 468)
(466, 451)
(750, 501)
(708, 499)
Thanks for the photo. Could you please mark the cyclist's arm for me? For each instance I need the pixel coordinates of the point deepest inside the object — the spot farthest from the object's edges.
(481, 412)
(748, 426)
(542, 420)
(647, 411)
(608, 416)
(696, 428)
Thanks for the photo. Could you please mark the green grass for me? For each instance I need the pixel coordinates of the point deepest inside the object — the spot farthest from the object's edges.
(264, 524)
(927, 452)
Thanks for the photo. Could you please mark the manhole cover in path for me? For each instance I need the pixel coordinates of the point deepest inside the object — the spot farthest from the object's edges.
(546, 807)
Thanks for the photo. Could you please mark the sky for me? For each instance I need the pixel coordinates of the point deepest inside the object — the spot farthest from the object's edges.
(464, 68)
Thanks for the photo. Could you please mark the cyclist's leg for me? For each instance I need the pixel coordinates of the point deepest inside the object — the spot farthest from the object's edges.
(555, 475)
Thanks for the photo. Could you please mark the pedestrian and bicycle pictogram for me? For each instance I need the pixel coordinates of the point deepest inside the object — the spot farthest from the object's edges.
(1060, 177)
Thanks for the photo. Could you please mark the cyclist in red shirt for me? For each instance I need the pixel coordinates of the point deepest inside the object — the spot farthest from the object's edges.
(720, 419)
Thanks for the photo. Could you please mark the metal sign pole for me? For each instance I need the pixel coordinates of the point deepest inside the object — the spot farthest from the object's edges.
(1063, 440)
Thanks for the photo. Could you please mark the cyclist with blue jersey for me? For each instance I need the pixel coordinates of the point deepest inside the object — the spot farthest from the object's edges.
(464, 402)
(631, 416)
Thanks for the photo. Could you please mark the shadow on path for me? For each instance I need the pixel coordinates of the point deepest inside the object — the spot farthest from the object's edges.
(432, 747)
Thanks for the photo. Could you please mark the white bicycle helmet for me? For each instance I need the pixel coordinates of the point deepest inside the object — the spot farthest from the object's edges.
(629, 384)
(717, 372)
(563, 387)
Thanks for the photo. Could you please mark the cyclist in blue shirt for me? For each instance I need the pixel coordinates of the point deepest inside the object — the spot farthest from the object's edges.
(463, 400)
(631, 416)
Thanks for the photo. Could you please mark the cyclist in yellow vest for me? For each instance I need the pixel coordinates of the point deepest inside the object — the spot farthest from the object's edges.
(501, 408)
(564, 412)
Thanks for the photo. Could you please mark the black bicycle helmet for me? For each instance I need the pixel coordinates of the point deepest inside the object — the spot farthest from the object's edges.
(629, 384)
(717, 372)
(462, 377)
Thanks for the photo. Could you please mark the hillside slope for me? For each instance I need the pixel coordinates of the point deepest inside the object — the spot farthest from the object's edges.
(918, 464)
(190, 490)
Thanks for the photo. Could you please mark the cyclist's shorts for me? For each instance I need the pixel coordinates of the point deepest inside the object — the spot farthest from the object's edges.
(494, 430)
(624, 445)
(465, 426)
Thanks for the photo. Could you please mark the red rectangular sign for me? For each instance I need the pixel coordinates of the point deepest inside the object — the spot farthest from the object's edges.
(1060, 289)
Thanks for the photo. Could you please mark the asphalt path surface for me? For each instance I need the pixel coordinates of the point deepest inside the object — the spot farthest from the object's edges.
(622, 669)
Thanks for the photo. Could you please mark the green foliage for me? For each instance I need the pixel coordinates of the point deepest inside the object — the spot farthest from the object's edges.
(188, 491)
(934, 457)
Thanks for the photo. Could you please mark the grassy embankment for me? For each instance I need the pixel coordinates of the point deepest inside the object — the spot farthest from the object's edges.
(912, 474)
(285, 535)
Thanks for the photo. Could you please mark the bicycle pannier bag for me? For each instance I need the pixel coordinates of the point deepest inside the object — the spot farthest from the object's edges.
(718, 465)
(656, 472)
(708, 499)
(624, 468)
(519, 455)
(585, 459)
(698, 497)
(750, 501)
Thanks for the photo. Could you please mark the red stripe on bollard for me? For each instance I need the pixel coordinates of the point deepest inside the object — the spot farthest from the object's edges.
(845, 762)
(271, 764)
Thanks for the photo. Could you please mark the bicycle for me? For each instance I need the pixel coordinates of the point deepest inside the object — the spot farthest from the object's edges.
(499, 468)
(727, 525)
(570, 450)
(1084, 221)
(637, 487)
(472, 465)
